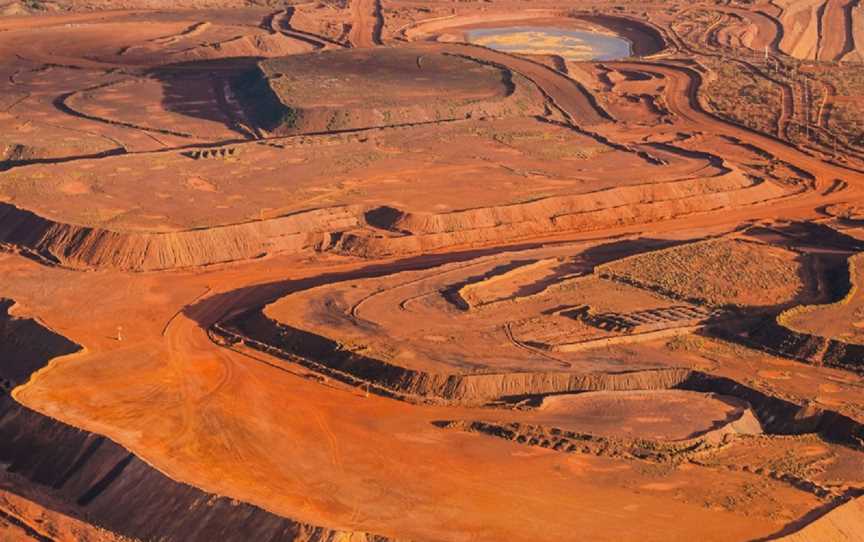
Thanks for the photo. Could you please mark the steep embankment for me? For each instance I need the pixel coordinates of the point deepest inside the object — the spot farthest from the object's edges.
(347, 229)
(856, 32)
(115, 489)
(842, 524)
(105, 482)
(83, 247)
(328, 357)
(283, 96)
(583, 212)
(789, 335)
(820, 29)
(801, 21)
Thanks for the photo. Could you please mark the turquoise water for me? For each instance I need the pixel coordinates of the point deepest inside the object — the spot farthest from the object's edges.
(570, 44)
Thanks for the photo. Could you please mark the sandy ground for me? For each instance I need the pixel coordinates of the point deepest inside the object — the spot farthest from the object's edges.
(492, 343)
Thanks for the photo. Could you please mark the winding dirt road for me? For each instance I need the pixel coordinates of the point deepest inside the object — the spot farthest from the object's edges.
(367, 23)
(238, 423)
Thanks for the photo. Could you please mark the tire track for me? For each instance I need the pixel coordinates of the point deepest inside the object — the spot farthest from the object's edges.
(367, 23)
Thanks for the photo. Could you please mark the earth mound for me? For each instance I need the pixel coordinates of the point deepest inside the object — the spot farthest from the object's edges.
(361, 88)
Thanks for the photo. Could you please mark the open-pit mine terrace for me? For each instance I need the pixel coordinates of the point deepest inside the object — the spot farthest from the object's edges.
(389, 270)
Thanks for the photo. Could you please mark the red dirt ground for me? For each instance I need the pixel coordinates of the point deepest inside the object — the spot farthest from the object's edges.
(326, 272)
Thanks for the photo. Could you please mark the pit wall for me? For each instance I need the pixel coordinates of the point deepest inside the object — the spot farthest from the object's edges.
(418, 232)
(343, 230)
(83, 247)
(646, 38)
(777, 336)
(116, 490)
(109, 485)
(328, 358)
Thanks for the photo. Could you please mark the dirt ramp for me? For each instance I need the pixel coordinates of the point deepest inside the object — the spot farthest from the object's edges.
(115, 489)
(108, 484)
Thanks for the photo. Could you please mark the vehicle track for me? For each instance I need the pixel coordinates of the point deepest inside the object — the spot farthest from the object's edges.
(367, 23)
(577, 104)
(61, 102)
(508, 332)
(280, 23)
(682, 95)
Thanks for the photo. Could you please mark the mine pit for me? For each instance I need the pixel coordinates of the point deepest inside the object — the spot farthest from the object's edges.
(391, 270)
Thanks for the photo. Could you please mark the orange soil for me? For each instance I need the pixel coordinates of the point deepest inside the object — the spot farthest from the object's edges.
(451, 248)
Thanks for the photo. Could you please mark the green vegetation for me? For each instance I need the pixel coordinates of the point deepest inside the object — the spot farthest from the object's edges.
(720, 272)
(547, 145)
(843, 320)
(743, 97)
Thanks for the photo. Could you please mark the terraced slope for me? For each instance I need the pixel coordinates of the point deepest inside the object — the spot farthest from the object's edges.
(328, 272)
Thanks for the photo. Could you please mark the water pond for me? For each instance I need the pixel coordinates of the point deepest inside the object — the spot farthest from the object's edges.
(571, 44)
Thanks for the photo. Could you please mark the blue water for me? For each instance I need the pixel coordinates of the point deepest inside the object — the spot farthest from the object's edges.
(569, 44)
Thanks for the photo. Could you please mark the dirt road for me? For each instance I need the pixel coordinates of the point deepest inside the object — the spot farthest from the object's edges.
(367, 23)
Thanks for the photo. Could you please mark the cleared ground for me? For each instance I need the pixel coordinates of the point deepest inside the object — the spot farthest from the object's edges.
(325, 271)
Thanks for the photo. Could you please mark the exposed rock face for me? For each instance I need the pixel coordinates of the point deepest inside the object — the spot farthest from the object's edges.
(582, 212)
